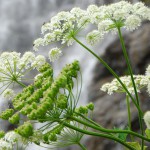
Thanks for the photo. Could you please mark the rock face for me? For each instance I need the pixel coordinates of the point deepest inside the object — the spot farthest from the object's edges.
(111, 110)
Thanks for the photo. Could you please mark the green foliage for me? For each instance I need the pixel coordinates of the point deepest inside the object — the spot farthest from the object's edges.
(136, 145)
(147, 132)
(2, 133)
(122, 136)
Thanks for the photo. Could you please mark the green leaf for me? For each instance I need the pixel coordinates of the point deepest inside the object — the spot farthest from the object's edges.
(136, 145)
(147, 131)
(121, 136)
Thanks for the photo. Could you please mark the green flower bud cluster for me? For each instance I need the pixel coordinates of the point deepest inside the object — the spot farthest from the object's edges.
(62, 101)
(85, 109)
(5, 115)
(19, 100)
(51, 90)
(42, 95)
(51, 136)
(25, 130)
(71, 71)
(2, 134)
(39, 100)
(15, 118)
(90, 106)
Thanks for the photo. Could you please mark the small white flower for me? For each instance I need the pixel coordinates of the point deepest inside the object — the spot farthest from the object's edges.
(38, 62)
(147, 71)
(54, 54)
(93, 37)
(46, 27)
(38, 42)
(8, 94)
(132, 22)
(144, 12)
(77, 12)
(147, 119)
(92, 9)
(12, 137)
(49, 37)
(83, 21)
(148, 87)
(138, 5)
(120, 14)
(103, 26)
(5, 145)
(26, 60)
(114, 86)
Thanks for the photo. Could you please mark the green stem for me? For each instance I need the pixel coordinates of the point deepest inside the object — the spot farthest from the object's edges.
(23, 85)
(91, 121)
(133, 82)
(108, 130)
(129, 115)
(111, 71)
(99, 135)
(82, 146)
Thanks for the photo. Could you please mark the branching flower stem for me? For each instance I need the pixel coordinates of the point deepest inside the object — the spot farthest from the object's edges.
(108, 130)
(82, 146)
(131, 74)
(129, 115)
(20, 83)
(99, 135)
(111, 71)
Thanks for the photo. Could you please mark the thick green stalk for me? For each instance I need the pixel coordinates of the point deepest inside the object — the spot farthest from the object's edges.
(108, 130)
(99, 135)
(129, 115)
(82, 146)
(111, 71)
(133, 82)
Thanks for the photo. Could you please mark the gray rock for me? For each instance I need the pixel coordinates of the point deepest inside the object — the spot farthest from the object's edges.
(110, 111)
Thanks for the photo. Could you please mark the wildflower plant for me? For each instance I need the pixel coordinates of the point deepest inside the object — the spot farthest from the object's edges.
(51, 101)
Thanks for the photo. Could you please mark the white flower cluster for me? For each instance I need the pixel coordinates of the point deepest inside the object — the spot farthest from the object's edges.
(147, 119)
(13, 67)
(147, 73)
(9, 140)
(54, 54)
(12, 137)
(5, 145)
(114, 86)
(67, 24)
(8, 94)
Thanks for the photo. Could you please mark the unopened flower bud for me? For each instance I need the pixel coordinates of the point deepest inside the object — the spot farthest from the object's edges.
(83, 110)
(45, 67)
(7, 114)
(14, 119)
(25, 130)
(90, 106)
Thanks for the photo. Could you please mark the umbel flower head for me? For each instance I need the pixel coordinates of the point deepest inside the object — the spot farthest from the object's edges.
(5, 145)
(13, 67)
(47, 99)
(54, 54)
(114, 86)
(108, 18)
